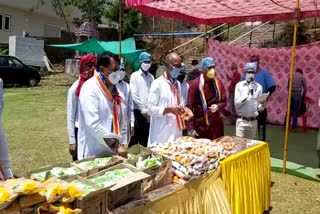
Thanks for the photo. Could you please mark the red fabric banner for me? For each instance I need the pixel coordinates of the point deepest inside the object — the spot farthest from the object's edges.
(277, 62)
(211, 12)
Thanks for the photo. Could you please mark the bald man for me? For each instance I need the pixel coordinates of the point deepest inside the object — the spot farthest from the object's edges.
(163, 104)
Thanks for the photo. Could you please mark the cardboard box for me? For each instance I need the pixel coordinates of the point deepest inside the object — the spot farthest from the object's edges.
(126, 189)
(64, 165)
(93, 203)
(114, 161)
(160, 175)
(138, 150)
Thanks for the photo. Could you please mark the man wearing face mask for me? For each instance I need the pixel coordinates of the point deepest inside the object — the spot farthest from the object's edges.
(246, 105)
(140, 83)
(264, 78)
(164, 104)
(184, 85)
(87, 64)
(206, 99)
(100, 112)
(126, 106)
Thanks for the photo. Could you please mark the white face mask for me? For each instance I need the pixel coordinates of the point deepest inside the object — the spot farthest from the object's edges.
(249, 77)
(193, 67)
(145, 66)
(122, 74)
(114, 77)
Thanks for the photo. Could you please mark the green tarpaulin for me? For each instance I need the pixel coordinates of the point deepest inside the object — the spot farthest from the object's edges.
(128, 49)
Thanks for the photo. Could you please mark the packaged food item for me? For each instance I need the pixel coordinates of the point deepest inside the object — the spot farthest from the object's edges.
(24, 186)
(149, 162)
(55, 189)
(61, 172)
(6, 197)
(40, 176)
(86, 188)
(110, 177)
(45, 208)
(67, 210)
(30, 200)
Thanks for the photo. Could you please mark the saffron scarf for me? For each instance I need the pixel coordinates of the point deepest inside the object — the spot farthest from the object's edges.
(115, 126)
(203, 97)
(180, 121)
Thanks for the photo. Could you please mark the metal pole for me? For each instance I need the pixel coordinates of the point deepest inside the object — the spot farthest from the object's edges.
(274, 31)
(251, 35)
(296, 22)
(205, 40)
(120, 26)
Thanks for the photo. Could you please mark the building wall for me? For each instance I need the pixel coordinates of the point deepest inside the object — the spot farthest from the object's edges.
(25, 20)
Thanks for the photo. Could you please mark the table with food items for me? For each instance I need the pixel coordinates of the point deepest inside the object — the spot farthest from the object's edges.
(226, 175)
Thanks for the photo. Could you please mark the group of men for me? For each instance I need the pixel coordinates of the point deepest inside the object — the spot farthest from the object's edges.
(105, 113)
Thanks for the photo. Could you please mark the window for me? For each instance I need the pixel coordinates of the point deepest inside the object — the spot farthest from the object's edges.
(7, 23)
(4, 22)
(52, 31)
(1, 16)
(14, 63)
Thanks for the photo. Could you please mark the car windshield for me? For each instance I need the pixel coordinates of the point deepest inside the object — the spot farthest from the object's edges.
(15, 63)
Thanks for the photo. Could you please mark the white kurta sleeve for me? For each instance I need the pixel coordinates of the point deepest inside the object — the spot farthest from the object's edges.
(130, 109)
(238, 97)
(154, 107)
(89, 107)
(72, 105)
(134, 92)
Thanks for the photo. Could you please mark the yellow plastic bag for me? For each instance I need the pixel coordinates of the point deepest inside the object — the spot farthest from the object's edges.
(30, 200)
(6, 197)
(73, 193)
(23, 186)
(14, 208)
(67, 210)
(58, 190)
(46, 208)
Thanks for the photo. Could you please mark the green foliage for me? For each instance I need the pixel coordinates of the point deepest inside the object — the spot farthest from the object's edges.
(4, 52)
(132, 19)
(91, 9)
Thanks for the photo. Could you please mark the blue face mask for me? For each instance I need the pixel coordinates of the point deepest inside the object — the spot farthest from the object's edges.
(175, 72)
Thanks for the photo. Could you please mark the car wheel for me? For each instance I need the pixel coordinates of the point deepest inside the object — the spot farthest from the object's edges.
(33, 82)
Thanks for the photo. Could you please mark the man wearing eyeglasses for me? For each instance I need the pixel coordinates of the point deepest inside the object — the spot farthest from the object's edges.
(164, 104)
(206, 99)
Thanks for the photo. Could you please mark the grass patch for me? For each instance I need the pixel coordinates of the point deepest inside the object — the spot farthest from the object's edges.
(35, 125)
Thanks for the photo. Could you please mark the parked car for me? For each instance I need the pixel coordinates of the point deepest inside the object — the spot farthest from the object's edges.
(13, 71)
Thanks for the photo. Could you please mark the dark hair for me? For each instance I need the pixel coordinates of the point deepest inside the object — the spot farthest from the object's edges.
(104, 59)
(254, 56)
(299, 70)
(194, 62)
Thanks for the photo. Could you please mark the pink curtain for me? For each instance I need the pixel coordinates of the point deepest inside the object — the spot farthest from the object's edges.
(277, 62)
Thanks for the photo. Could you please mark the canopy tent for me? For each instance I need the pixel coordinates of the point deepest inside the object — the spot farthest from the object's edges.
(211, 12)
(128, 50)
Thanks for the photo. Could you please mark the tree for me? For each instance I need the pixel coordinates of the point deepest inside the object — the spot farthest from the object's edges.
(132, 19)
(59, 6)
(91, 9)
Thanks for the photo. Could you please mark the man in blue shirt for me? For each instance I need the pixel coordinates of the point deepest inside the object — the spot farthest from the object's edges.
(264, 78)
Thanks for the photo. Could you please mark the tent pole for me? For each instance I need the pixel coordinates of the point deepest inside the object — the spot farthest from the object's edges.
(205, 40)
(120, 26)
(296, 22)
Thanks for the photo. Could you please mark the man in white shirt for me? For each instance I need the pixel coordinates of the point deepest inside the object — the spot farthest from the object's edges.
(246, 105)
(5, 171)
(184, 85)
(164, 105)
(126, 109)
(100, 111)
(140, 83)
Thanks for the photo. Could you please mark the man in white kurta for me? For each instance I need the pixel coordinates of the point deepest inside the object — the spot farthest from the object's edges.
(164, 104)
(96, 119)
